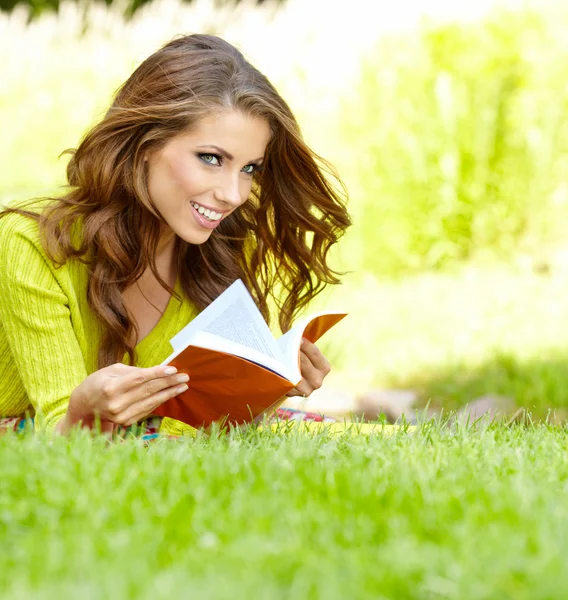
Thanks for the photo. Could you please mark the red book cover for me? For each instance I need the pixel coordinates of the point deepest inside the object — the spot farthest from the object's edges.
(227, 388)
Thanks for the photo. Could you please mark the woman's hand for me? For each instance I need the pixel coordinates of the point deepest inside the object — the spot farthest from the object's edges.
(121, 395)
(314, 367)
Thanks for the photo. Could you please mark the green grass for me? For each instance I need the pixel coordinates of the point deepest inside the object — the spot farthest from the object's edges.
(449, 152)
(439, 513)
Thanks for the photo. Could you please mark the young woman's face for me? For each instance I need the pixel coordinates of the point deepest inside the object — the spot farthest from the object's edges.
(199, 178)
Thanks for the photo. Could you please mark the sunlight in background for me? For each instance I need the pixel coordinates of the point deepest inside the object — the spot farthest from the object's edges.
(63, 73)
(447, 124)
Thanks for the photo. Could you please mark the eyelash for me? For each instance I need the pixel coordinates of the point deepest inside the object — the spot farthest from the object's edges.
(255, 168)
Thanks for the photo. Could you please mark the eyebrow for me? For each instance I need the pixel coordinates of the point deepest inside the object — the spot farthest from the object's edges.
(226, 154)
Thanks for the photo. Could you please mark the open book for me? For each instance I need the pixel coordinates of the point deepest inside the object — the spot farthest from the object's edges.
(237, 369)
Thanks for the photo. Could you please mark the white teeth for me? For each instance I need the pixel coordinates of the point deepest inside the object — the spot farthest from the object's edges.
(211, 215)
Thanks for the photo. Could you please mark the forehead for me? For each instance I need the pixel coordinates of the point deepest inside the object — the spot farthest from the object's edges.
(242, 135)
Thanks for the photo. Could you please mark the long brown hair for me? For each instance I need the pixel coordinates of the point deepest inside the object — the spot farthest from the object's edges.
(278, 242)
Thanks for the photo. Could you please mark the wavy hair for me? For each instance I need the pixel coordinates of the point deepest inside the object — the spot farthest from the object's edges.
(278, 242)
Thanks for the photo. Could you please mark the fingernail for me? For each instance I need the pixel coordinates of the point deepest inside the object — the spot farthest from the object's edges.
(181, 388)
(182, 378)
(170, 370)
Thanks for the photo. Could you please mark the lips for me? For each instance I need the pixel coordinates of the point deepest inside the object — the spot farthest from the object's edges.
(201, 219)
(208, 213)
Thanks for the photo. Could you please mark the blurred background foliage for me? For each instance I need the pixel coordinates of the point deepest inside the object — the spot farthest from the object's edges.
(37, 7)
(452, 137)
(462, 140)
(449, 128)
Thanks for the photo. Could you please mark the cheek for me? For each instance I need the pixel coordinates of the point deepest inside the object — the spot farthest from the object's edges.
(162, 180)
(179, 174)
(244, 189)
(155, 184)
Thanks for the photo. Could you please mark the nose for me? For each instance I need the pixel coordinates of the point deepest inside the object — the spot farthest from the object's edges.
(229, 191)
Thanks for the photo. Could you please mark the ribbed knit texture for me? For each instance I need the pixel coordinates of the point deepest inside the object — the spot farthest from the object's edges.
(49, 338)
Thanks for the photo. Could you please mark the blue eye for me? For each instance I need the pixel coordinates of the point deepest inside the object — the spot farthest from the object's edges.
(216, 160)
(211, 159)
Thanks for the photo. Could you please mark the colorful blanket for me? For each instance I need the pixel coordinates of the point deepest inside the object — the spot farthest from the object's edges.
(149, 430)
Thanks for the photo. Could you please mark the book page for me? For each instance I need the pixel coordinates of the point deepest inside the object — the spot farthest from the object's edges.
(235, 324)
(312, 327)
(211, 341)
(289, 345)
(235, 317)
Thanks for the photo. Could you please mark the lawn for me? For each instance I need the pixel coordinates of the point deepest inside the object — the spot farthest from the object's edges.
(434, 513)
(437, 512)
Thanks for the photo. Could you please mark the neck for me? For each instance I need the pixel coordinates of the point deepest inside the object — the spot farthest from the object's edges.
(166, 247)
(165, 257)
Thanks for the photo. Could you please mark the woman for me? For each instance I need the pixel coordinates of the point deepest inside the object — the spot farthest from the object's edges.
(196, 176)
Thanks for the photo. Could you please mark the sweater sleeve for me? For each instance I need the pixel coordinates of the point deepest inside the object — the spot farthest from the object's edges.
(34, 312)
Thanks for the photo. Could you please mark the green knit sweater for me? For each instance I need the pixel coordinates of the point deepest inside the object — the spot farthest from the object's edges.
(49, 338)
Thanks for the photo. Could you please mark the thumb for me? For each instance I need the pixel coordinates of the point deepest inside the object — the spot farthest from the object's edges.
(107, 427)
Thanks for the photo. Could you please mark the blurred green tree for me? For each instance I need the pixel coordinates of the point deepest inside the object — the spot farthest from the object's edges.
(38, 6)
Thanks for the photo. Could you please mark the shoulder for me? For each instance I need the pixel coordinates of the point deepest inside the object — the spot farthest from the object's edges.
(23, 259)
(16, 225)
(21, 225)
(14, 229)
(20, 233)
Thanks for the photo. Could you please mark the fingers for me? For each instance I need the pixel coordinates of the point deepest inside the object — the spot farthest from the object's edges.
(124, 378)
(310, 378)
(125, 387)
(314, 368)
(150, 388)
(142, 408)
(107, 427)
(113, 394)
(172, 386)
(297, 392)
(317, 359)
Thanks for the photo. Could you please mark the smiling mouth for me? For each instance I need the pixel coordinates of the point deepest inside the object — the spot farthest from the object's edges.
(210, 215)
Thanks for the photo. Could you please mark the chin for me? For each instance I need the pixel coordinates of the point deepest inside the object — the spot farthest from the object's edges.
(194, 237)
